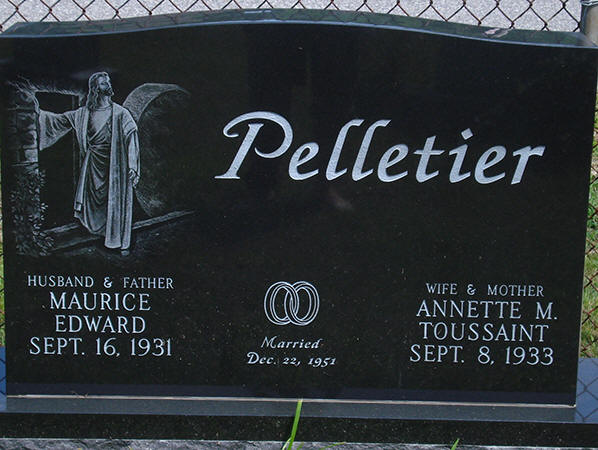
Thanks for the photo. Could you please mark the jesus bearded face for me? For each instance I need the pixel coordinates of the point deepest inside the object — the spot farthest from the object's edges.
(99, 86)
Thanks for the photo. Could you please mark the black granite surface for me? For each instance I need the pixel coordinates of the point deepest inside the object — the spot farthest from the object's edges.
(312, 429)
(71, 433)
(372, 248)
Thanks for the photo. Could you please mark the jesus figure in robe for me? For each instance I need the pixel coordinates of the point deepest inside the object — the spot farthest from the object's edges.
(109, 161)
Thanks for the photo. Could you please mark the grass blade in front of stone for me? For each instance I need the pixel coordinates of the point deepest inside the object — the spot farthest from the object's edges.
(288, 445)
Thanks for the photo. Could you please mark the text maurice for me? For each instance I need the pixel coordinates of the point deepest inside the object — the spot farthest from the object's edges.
(487, 169)
(100, 301)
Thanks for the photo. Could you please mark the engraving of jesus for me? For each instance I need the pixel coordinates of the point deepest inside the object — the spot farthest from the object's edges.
(109, 161)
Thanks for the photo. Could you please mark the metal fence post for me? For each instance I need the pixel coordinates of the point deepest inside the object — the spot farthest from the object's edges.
(589, 19)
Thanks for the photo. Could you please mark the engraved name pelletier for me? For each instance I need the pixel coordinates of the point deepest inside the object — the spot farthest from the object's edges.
(388, 167)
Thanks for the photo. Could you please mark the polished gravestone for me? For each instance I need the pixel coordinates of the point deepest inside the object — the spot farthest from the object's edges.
(221, 213)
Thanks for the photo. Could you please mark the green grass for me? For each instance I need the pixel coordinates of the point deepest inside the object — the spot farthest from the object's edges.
(589, 332)
(288, 445)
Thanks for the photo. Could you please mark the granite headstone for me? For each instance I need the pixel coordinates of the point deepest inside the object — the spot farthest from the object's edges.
(295, 204)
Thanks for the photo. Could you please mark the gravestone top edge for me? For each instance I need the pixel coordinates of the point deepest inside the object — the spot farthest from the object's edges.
(294, 16)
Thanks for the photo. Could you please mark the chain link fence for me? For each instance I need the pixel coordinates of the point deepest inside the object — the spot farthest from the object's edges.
(589, 316)
(551, 15)
(554, 15)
